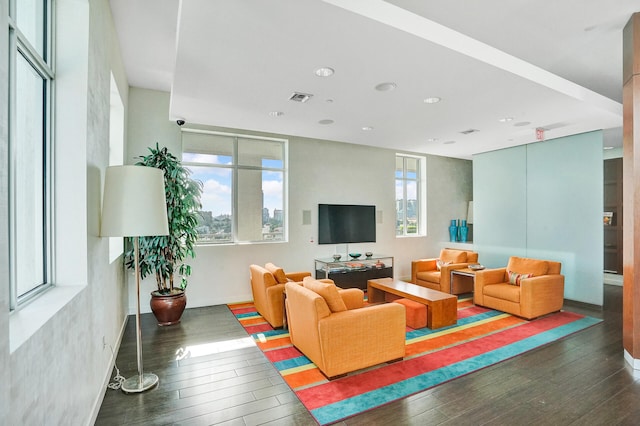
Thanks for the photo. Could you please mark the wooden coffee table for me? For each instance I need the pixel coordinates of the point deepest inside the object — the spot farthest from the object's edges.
(442, 307)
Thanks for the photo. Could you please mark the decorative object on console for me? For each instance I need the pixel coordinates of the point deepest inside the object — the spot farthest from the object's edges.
(453, 231)
(476, 267)
(464, 230)
(337, 257)
(134, 205)
(355, 255)
(368, 254)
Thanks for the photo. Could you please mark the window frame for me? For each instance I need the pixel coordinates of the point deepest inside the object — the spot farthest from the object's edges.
(43, 65)
(235, 168)
(421, 201)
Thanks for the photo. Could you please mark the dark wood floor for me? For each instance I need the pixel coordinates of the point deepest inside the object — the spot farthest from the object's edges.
(581, 380)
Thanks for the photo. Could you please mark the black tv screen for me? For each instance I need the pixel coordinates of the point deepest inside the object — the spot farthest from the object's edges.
(342, 223)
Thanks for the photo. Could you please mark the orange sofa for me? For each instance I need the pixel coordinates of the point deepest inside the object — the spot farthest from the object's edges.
(333, 329)
(526, 287)
(267, 286)
(427, 272)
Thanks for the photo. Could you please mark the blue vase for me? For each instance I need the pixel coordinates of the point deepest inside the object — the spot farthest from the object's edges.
(464, 231)
(453, 231)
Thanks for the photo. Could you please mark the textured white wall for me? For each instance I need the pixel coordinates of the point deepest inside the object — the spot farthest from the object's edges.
(58, 374)
(319, 172)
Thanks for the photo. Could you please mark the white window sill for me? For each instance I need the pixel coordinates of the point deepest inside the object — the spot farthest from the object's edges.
(27, 320)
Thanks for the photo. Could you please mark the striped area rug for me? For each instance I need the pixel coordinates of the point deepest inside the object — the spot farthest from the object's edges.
(481, 337)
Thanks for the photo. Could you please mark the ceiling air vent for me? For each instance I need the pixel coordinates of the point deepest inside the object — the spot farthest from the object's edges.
(300, 97)
(468, 132)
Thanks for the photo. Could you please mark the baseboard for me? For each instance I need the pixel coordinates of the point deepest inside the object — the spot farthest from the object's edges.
(633, 362)
(107, 378)
(583, 305)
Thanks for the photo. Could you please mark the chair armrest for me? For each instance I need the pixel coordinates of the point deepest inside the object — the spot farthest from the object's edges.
(541, 294)
(421, 265)
(487, 277)
(297, 276)
(352, 297)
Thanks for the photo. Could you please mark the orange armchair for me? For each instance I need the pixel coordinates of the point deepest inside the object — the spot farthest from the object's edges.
(331, 327)
(427, 273)
(267, 286)
(527, 288)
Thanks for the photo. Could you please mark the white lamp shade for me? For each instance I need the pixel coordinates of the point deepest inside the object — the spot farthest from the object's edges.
(470, 213)
(134, 204)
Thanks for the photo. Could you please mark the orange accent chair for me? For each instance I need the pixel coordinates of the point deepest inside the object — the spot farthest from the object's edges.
(267, 286)
(526, 287)
(334, 329)
(437, 275)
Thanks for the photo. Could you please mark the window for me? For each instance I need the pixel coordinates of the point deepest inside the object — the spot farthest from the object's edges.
(244, 181)
(30, 147)
(410, 198)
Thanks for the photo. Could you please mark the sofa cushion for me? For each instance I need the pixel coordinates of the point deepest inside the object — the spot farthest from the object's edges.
(277, 272)
(503, 291)
(523, 265)
(329, 293)
(453, 256)
(515, 278)
(430, 276)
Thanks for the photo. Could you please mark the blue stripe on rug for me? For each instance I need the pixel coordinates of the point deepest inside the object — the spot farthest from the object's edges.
(247, 315)
(351, 406)
(292, 363)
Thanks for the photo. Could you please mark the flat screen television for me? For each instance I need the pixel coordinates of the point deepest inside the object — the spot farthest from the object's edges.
(346, 223)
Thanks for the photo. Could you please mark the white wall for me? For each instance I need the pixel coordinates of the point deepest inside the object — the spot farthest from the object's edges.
(319, 172)
(544, 200)
(57, 372)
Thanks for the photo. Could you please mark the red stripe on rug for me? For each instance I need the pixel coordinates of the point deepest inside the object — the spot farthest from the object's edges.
(244, 310)
(283, 354)
(350, 386)
(252, 329)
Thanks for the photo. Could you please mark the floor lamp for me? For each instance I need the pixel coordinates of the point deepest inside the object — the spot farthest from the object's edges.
(134, 205)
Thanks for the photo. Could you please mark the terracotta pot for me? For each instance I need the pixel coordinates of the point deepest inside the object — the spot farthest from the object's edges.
(168, 308)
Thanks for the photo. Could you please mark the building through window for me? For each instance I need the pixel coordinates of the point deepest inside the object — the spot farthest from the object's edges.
(244, 179)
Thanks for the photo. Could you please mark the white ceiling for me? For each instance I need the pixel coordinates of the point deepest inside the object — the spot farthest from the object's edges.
(548, 64)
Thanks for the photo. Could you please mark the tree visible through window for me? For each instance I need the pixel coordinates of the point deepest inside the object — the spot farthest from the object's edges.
(244, 185)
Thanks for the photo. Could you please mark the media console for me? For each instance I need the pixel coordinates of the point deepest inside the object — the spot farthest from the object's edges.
(350, 273)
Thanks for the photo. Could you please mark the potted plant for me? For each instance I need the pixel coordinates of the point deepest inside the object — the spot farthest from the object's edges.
(165, 255)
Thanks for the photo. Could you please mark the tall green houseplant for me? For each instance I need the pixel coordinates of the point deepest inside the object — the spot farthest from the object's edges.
(165, 255)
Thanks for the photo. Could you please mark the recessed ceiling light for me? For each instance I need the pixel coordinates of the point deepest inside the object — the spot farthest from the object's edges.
(276, 113)
(449, 142)
(324, 72)
(505, 119)
(522, 123)
(329, 101)
(608, 147)
(432, 139)
(385, 87)
(326, 121)
(367, 128)
(432, 100)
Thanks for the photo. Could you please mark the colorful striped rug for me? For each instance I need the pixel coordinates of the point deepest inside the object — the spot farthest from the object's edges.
(481, 337)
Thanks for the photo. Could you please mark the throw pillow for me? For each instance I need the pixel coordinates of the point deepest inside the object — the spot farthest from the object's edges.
(329, 293)
(277, 272)
(515, 278)
(441, 263)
